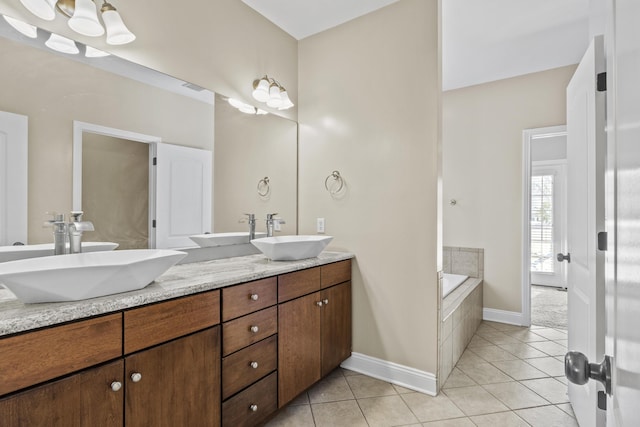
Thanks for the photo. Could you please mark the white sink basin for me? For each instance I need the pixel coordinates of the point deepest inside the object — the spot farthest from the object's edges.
(291, 248)
(86, 275)
(13, 253)
(223, 239)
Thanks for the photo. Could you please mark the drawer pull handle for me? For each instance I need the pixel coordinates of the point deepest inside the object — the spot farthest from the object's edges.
(116, 386)
(254, 329)
(319, 303)
(254, 365)
(136, 377)
(325, 301)
(254, 297)
(254, 407)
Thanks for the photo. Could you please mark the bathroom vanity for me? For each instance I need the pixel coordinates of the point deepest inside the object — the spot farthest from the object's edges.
(225, 342)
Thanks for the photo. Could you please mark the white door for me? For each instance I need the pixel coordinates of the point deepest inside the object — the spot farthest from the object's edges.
(183, 194)
(586, 147)
(623, 206)
(13, 178)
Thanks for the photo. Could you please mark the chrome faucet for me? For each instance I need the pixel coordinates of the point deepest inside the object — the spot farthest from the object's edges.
(59, 233)
(270, 223)
(251, 219)
(76, 228)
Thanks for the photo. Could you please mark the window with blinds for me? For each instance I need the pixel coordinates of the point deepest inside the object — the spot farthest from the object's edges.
(542, 224)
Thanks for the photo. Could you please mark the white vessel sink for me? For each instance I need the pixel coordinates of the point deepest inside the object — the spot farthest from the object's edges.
(86, 275)
(13, 253)
(223, 239)
(291, 248)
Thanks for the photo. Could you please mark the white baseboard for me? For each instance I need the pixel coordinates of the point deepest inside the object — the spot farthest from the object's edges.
(502, 316)
(404, 376)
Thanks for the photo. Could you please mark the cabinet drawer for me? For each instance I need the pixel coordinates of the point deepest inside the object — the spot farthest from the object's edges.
(158, 323)
(239, 333)
(248, 365)
(252, 406)
(298, 283)
(332, 274)
(249, 297)
(35, 357)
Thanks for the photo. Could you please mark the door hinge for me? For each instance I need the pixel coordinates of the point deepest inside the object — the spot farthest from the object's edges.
(155, 161)
(602, 241)
(153, 223)
(601, 82)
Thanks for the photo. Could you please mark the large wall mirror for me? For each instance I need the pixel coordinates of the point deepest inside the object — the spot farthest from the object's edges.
(53, 90)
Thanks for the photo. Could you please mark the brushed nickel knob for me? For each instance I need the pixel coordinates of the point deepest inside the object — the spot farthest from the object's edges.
(254, 365)
(254, 297)
(325, 301)
(254, 329)
(116, 386)
(319, 303)
(253, 407)
(136, 377)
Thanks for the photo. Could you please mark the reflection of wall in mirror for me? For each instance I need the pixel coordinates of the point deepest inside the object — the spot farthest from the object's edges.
(249, 148)
(53, 91)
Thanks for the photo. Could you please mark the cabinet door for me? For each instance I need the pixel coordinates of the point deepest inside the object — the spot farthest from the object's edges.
(83, 399)
(298, 346)
(336, 326)
(178, 383)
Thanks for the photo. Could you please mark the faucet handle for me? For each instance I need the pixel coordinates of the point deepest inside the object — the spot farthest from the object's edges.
(270, 216)
(56, 218)
(76, 215)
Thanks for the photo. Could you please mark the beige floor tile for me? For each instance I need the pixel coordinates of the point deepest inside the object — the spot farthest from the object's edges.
(563, 342)
(347, 372)
(562, 379)
(485, 373)
(505, 327)
(363, 386)
(500, 338)
(457, 422)
(493, 353)
(566, 407)
(519, 370)
(331, 389)
(293, 416)
(333, 414)
(523, 350)
(386, 411)
(457, 378)
(549, 365)
(549, 347)
(469, 359)
(431, 408)
(547, 416)
(478, 341)
(549, 388)
(552, 334)
(515, 395)
(526, 335)
(303, 399)
(500, 419)
(475, 400)
(402, 390)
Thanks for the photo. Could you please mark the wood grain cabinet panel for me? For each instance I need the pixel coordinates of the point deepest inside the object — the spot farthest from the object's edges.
(336, 326)
(249, 365)
(35, 357)
(335, 273)
(249, 329)
(84, 399)
(252, 406)
(298, 283)
(248, 297)
(157, 323)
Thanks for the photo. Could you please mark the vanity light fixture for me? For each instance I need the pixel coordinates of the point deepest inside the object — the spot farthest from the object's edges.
(267, 89)
(26, 29)
(62, 44)
(245, 108)
(92, 52)
(83, 18)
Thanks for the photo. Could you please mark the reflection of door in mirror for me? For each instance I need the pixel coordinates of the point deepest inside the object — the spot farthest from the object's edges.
(13, 178)
(115, 190)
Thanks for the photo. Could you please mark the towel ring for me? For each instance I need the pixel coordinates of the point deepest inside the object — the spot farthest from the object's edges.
(263, 187)
(336, 177)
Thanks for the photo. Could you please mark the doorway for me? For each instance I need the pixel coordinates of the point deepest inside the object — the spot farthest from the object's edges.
(544, 227)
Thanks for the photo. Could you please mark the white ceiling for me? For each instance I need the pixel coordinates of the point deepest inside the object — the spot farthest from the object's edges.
(482, 40)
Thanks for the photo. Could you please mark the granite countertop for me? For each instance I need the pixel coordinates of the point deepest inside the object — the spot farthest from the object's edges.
(179, 280)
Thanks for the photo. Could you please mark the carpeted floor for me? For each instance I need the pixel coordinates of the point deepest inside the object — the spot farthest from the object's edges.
(548, 307)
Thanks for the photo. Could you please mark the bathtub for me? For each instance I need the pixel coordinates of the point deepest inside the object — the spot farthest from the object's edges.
(450, 282)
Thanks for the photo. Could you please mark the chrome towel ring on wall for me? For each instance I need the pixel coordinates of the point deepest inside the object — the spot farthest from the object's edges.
(337, 182)
(263, 187)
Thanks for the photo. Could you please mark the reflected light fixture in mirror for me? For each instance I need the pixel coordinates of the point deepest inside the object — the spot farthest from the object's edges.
(27, 29)
(267, 89)
(62, 44)
(245, 108)
(83, 18)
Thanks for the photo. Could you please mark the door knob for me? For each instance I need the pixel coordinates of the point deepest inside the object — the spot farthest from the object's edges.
(562, 257)
(579, 371)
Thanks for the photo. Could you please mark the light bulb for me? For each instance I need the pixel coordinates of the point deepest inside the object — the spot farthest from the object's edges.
(43, 9)
(117, 32)
(27, 29)
(85, 19)
(61, 44)
(275, 100)
(261, 90)
(286, 102)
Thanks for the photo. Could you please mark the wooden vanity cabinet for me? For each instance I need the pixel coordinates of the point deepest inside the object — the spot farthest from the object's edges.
(314, 329)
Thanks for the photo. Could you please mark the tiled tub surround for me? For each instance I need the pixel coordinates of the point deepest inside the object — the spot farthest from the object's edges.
(461, 310)
(180, 280)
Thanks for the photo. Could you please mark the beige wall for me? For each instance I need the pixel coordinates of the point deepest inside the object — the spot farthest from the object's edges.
(482, 170)
(222, 45)
(54, 91)
(369, 109)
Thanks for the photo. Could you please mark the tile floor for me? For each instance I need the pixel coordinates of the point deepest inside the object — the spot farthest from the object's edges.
(507, 376)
